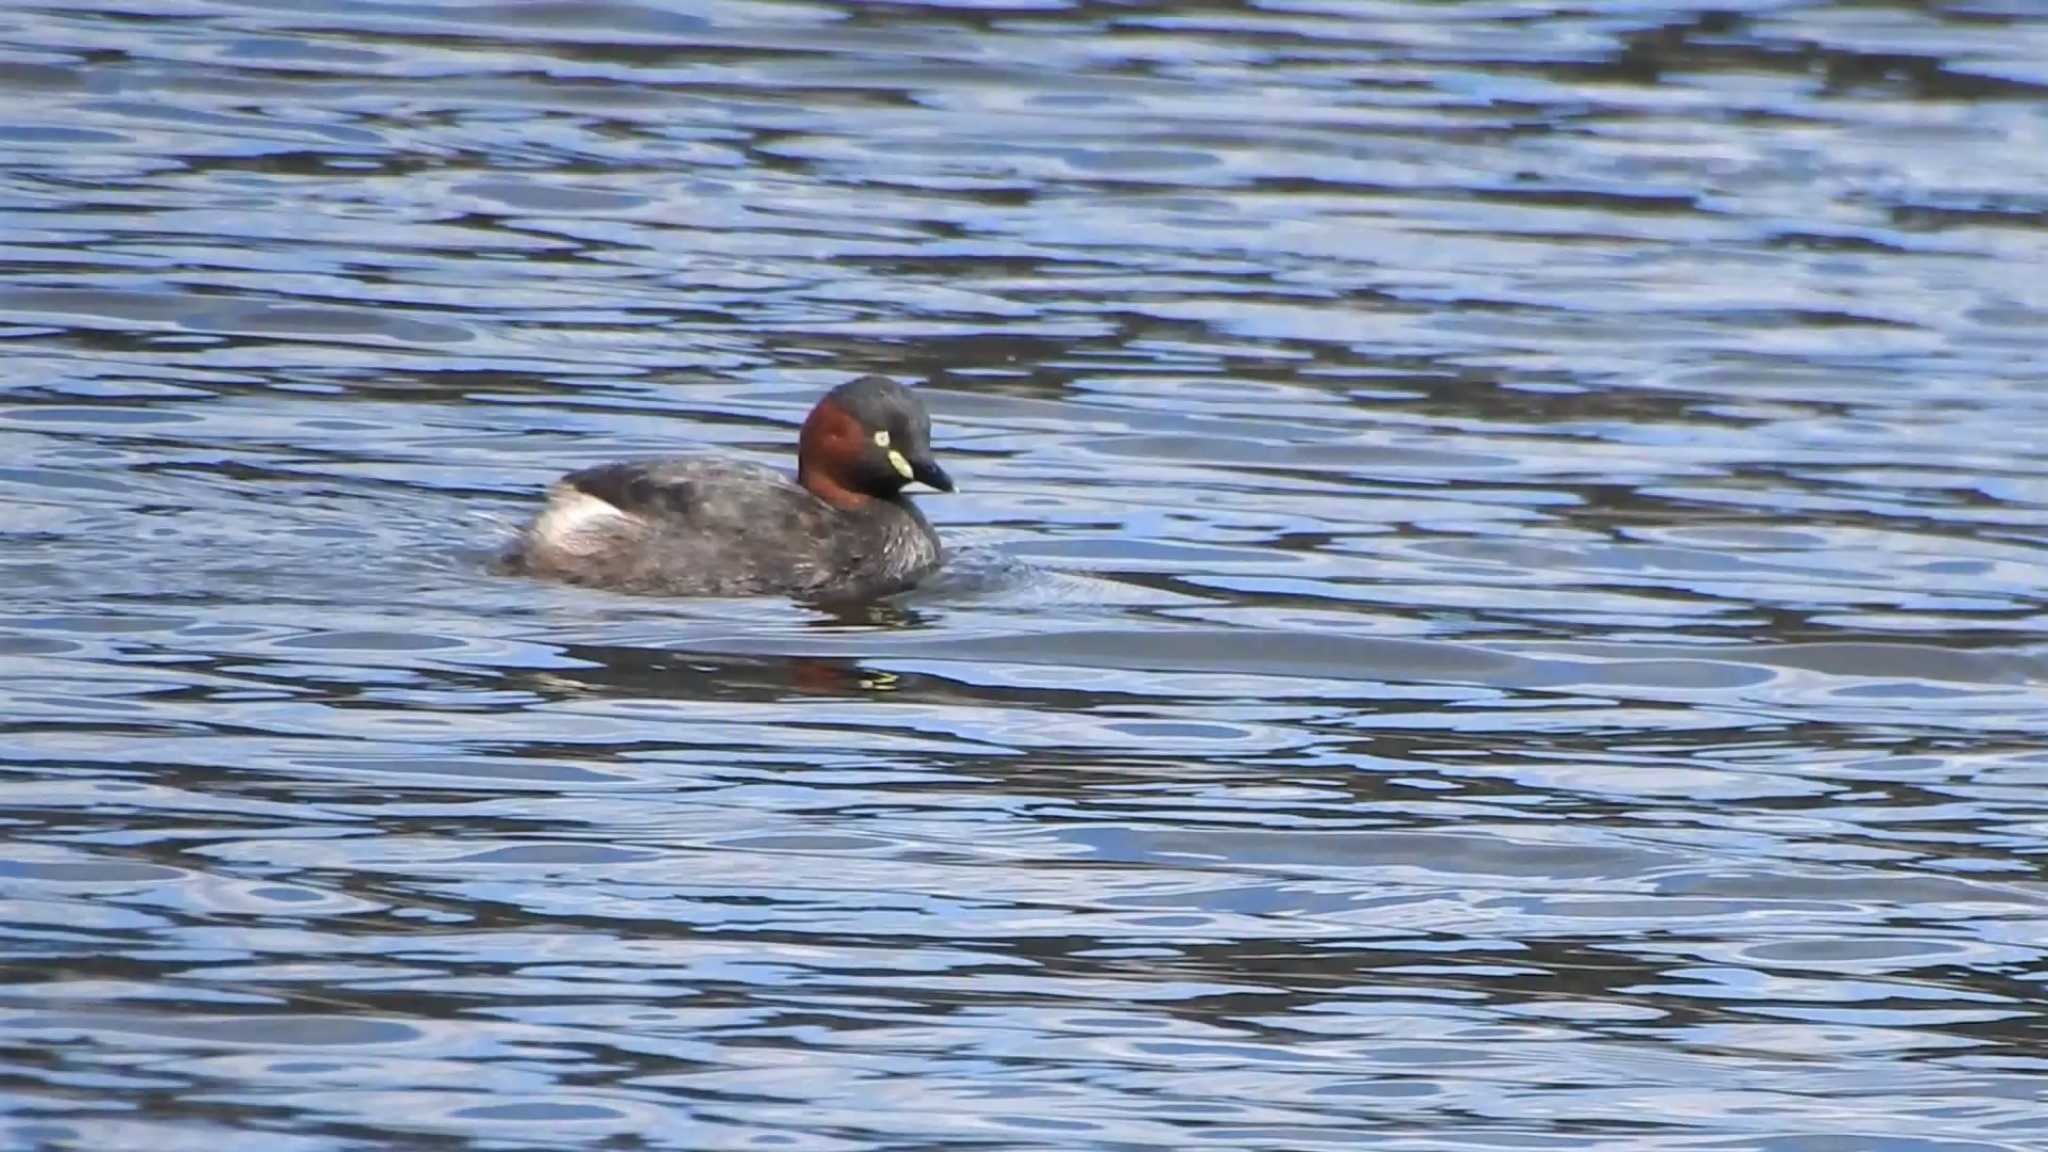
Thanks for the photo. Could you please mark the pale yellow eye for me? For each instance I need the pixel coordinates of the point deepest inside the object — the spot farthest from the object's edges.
(882, 438)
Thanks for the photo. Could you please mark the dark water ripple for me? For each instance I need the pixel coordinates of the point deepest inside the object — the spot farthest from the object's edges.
(1498, 596)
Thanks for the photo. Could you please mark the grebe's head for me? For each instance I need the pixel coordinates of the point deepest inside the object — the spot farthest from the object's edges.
(865, 440)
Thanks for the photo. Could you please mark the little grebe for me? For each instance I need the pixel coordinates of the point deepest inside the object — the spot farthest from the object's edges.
(704, 527)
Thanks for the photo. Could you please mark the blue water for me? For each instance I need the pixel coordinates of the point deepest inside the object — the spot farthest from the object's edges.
(1499, 600)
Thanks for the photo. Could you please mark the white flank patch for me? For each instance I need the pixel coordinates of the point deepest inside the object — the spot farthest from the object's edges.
(574, 519)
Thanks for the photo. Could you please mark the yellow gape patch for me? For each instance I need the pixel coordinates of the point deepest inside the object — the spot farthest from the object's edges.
(896, 459)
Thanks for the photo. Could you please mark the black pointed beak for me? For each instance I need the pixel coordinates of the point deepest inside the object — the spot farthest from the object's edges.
(927, 470)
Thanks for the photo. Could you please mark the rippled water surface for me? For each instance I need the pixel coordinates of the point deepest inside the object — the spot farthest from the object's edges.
(1499, 599)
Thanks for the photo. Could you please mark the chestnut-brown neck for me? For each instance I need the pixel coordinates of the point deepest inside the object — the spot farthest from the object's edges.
(830, 442)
